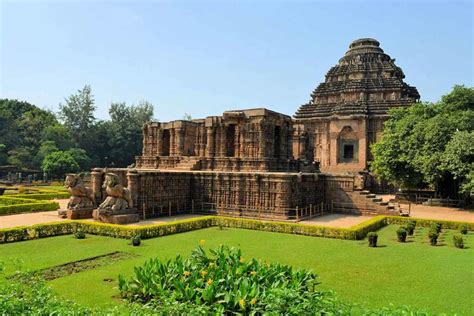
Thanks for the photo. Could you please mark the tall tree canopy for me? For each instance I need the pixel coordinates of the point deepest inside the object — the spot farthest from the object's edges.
(430, 145)
(33, 138)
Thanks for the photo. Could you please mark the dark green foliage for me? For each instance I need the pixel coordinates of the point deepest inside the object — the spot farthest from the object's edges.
(226, 283)
(59, 163)
(433, 235)
(430, 145)
(32, 297)
(464, 228)
(401, 234)
(136, 240)
(410, 227)
(372, 237)
(437, 226)
(79, 234)
(458, 241)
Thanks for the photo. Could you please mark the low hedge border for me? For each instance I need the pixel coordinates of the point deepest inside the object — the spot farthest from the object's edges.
(357, 232)
(15, 205)
(396, 220)
(44, 196)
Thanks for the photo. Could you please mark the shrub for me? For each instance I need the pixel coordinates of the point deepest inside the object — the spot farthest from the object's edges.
(14, 205)
(136, 240)
(458, 241)
(372, 236)
(464, 228)
(433, 236)
(437, 226)
(422, 222)
(225, 283)
(401, 234)
(79, 234)
(410, 227)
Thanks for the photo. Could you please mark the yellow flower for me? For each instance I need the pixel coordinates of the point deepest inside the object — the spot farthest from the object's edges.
(253, 301)
(242, 303)
(209, 282)
(186, 273)
(204, 273)
(202, 242)
(242, 260)
(253, 273)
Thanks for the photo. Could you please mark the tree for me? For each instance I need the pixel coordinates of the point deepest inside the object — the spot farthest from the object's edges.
(3, 155)
(20, 157)
(80, 156)
(125, 131)
(59, 134)
(78, 115)
(59, 163)
(46, 148)
(187, 117)
(421, 146)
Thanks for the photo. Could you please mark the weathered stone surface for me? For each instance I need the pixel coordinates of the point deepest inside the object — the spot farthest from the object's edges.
(81, 196)
(79, 213)
(346, 112)
(259, 163)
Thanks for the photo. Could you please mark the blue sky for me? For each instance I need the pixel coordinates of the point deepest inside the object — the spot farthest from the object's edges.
(206, 57)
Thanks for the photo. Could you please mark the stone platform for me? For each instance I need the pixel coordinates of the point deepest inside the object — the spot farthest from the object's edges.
(126, 216)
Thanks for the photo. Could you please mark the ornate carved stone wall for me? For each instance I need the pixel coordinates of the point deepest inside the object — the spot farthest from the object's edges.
(256, 139)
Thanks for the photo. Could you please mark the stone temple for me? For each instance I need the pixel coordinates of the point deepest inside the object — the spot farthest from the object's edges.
(346, 112)
(262, 164)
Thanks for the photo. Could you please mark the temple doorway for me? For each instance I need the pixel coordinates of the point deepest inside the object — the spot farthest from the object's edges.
(230, 141)
(277, 142)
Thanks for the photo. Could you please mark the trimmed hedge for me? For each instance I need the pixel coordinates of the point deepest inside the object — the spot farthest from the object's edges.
(353, 233)
(150, 231)
(13, 205)
(44, 196)
(428, 222)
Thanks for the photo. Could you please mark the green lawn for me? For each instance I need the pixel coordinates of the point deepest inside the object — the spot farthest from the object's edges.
(436, 279)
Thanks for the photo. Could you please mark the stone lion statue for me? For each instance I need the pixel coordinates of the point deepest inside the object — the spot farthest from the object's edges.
(118, 197)
(81, 196)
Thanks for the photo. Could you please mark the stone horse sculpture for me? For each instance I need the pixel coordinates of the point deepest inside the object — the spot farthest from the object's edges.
(81, 202)
(117, 208)
(118, 197)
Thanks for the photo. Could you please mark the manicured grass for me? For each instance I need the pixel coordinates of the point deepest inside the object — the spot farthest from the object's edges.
(437, 279)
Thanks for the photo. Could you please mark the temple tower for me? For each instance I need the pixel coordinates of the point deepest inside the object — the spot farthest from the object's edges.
(346, 112)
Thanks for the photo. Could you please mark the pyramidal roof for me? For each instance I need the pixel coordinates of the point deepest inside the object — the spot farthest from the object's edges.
(365, 81)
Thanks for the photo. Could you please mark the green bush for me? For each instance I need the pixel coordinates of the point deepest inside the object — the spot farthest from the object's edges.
(401, 234)
(464, 228)
(421, 222)
(136, 240)
(437, 226)
(410, 227)
(79, 234)
(458, 241)
(226, 283)
(433, 235)
(372, 237)
(14, 205)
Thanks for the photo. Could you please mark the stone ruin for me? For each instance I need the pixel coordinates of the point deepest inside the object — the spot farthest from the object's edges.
(262, 164)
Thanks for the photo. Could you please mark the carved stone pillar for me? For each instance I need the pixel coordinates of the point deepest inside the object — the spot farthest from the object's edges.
(159, 142)
(132, 184)
(96, 181)
(210, 142)
(180, 141)
(173, 150)
(223, 141)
